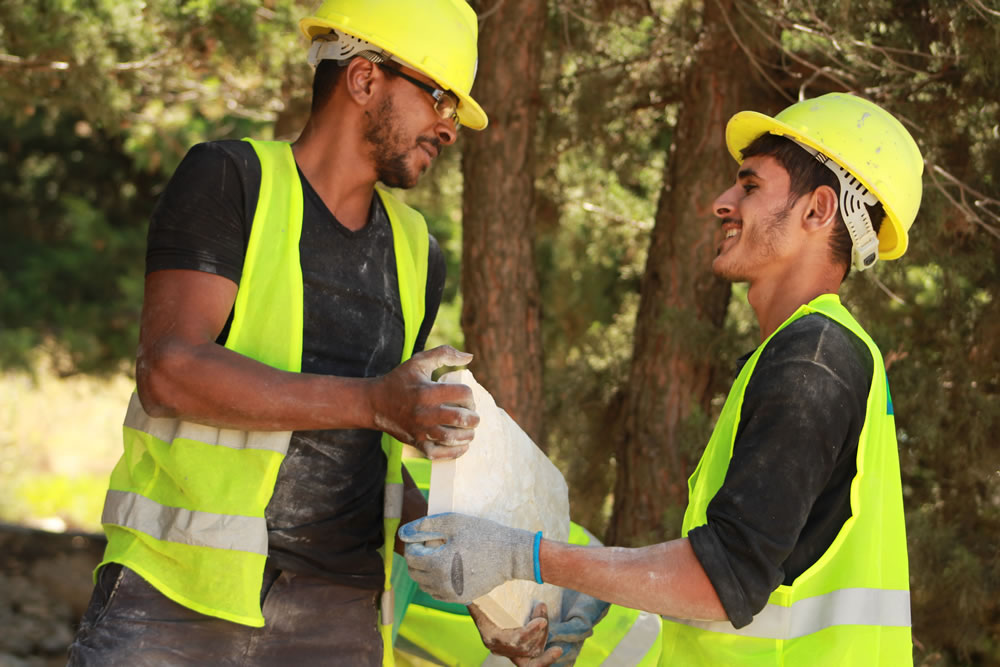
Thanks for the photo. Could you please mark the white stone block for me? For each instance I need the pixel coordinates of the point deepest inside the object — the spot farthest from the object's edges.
(505, 477)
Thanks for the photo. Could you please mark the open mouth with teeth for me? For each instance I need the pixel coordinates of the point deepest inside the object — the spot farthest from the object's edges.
(729, 231)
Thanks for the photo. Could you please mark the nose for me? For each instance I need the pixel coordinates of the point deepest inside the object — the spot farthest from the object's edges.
(446, 131)
(725, 204)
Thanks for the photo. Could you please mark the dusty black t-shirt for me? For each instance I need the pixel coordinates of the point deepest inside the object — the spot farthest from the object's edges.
(325, 517)
(787, 490)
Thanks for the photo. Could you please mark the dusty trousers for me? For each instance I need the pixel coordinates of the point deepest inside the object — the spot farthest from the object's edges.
(309, 621)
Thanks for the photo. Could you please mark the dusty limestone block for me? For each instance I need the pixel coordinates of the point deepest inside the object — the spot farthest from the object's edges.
(504, 477)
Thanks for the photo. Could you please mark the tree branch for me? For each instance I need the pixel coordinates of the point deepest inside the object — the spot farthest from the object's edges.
(754, 61)
(981, 200)
(9, 60)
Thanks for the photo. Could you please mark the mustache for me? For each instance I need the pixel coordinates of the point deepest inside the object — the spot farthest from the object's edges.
(432, 140)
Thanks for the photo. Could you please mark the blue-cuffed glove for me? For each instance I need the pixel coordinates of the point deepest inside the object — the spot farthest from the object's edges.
(579, 614)
(476, 555)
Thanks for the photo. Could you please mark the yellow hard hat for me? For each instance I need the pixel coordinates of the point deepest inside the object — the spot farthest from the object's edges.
(861, 137)
(436, 37)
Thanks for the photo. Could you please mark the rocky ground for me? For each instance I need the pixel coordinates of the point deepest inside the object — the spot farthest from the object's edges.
(45, 585)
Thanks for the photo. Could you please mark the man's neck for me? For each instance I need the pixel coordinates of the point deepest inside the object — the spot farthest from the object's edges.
(774, 301)
(333, 161)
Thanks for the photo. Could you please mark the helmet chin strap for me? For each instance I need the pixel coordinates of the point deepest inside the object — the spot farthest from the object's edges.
(853, 197)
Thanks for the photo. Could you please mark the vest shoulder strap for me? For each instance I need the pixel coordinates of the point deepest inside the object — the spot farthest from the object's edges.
(272, 270)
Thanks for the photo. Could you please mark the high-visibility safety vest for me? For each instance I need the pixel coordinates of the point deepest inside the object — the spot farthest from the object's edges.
(852, 606)
(444, 633)
(185, 505)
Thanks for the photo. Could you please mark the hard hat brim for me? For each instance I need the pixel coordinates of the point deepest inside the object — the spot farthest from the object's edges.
(744, 127)
(470, 114)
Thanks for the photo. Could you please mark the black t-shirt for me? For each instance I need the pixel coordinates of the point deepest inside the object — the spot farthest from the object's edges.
(325, 516)
(787, 490)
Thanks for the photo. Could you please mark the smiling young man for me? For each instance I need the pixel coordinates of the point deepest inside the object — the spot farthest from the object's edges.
(287, 302)
(793, 549)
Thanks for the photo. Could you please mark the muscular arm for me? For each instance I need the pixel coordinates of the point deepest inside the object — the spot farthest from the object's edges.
(182, 372)
(664, 578)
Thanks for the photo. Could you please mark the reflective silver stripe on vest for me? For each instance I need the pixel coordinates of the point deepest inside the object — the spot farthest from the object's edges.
(387, 607)
(847, 606)
(393, 505)
(637, 642)
(168, 429)
(174, 524)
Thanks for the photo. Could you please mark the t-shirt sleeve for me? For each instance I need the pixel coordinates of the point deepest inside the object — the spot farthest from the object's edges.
(200, 221)
(436, 273)
(798, 417)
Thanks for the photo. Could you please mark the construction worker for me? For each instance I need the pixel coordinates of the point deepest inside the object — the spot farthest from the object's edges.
(793, 547)
(251, 519)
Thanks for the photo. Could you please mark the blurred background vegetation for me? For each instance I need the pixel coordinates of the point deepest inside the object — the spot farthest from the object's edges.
(612, 344)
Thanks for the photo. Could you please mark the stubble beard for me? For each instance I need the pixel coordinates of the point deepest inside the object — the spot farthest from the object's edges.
(762, 240)
(382, 133)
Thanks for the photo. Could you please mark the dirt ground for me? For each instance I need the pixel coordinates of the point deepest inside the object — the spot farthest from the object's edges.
(45, 585)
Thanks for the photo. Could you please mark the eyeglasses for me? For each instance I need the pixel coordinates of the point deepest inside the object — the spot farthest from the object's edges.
(445, 101)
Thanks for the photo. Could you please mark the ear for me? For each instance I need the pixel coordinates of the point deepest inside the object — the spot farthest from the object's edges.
(821, 210)
(361, 80)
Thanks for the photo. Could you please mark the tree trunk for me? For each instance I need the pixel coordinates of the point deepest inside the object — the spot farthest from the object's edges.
(682, 304)
(500, 293)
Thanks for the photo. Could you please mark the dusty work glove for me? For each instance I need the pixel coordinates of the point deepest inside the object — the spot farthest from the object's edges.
(580, 613)
(437, 417)
(476, 555)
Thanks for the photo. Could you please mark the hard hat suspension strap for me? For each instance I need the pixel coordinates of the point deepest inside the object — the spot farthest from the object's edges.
(853, 197)
(341, 46)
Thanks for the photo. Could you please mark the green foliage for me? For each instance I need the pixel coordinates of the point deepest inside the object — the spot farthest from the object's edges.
(101, 100)
(603, 141)
(72, 254)
(155, 63)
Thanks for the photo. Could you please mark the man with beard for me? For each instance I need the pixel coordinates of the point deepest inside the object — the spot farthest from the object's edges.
(280, 366)
(793, 547)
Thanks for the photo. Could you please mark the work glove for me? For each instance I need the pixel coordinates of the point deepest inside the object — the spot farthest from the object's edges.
(537, 643)
(579, 614)
(476, 555)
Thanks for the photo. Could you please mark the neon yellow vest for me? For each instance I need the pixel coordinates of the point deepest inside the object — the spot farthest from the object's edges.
(446, 633)
(200, 536)
(852, 607)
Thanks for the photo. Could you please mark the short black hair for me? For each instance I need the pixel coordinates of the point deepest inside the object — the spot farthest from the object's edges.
(325, 79)
(805, 174)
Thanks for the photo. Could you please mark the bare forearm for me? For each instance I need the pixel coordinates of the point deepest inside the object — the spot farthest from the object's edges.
(414, 505)
(665, 578)
(210, 384)
(182, 372)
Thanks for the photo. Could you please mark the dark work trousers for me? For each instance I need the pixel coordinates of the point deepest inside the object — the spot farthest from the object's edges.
(309, 621)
